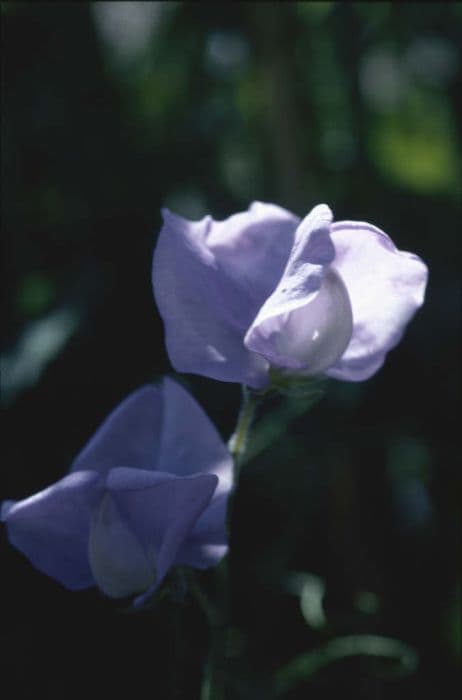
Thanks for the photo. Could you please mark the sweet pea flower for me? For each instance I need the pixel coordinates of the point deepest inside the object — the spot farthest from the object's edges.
(264, 292)
(148, 492)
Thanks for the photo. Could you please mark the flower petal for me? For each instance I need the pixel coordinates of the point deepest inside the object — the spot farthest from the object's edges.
(207, 542)
(197, 553)
(386, 287)
(120, 564)
(160, 509)
(128, 437)
(189, 441)
(190, 444)
(5, 509)
(305, 325)
(312, 242)
(252, 248)
(204, 311)
(52, 528)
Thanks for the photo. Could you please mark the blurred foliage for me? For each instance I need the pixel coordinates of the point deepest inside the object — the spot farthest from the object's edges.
(112, 110)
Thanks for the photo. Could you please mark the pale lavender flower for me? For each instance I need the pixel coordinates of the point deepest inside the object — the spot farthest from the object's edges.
(263, 291)
(148, 492)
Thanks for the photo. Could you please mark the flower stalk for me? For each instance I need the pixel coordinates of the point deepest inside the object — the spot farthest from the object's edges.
(214, 684)
(238, 441)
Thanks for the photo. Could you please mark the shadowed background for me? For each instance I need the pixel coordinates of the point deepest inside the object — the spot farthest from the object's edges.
(113, 110)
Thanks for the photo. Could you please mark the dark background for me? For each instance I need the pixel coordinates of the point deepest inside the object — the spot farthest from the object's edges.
(113, 110)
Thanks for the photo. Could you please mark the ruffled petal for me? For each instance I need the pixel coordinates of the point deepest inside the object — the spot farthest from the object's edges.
(205, 311)
(386, 287)
(129, 436)
(189, 441)
(160, 509)
(52, 528)
(306, 324)
(252, 248)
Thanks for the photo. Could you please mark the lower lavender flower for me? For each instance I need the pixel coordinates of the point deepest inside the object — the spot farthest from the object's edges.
(148, 492)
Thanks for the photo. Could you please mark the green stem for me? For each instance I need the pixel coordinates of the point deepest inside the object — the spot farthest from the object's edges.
(214, 686)
(215, 677)
(238, 442)
(307, 664)
(209, 610)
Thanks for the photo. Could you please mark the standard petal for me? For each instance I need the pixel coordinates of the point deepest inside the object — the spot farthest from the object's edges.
(160, 509)
(189, 441)
(5, 509)
(208, 541)
(252, 248)
(305, 325)
(386, 287)
(52, 528)
(205, 311)
(190, 444)
(199, 554)
(128, 437)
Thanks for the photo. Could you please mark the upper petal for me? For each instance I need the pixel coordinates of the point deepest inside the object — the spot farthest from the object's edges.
(207, 543)
(198, 553)
(129, 436)
(252, 248)
(189, 441)
(205, 311)
(305, 325)
(52, 528)
(386, 287)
